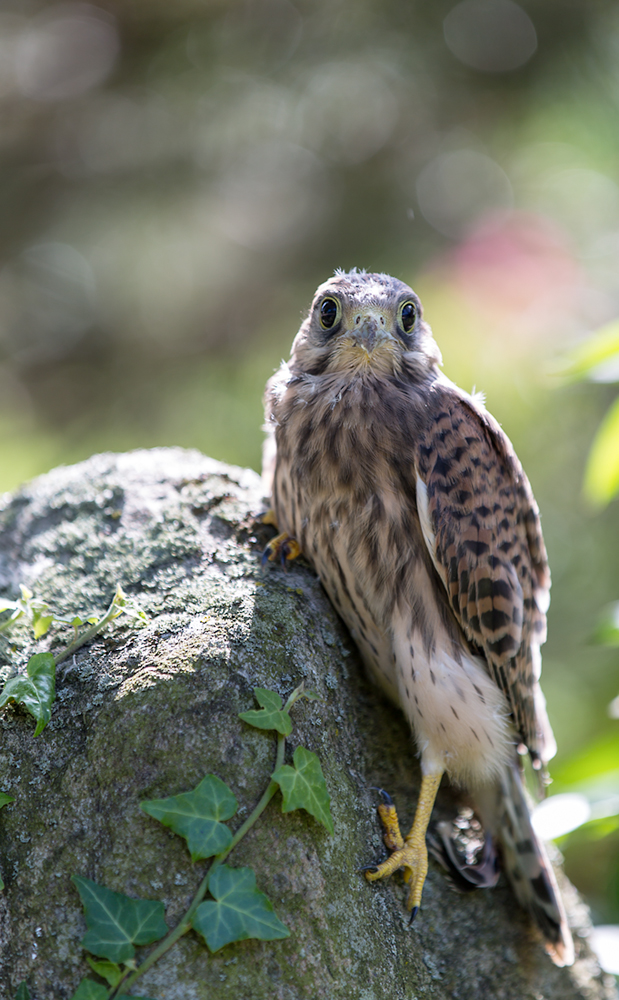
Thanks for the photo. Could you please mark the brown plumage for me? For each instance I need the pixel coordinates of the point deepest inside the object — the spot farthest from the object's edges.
(409, 500)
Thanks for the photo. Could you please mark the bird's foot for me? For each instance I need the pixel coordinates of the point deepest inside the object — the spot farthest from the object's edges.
(283, 548)
(412, 858)
(410, 854)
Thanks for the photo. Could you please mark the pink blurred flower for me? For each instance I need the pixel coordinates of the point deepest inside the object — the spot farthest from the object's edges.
(518, 270)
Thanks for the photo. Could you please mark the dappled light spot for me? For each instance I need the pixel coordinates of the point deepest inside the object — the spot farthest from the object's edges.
(494, 36)
(65, 51)
(47, 302)
(604, 941)
(559, 814)
(269, 197)
(348, 111)
(456, 188)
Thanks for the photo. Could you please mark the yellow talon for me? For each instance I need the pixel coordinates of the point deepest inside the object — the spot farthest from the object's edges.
(284, 547)
(410, 854)
(392, 836)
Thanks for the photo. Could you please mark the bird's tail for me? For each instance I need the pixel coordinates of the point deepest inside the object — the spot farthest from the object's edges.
(505, 813)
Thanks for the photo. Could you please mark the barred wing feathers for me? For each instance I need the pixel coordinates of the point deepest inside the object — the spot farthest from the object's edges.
(481, 526)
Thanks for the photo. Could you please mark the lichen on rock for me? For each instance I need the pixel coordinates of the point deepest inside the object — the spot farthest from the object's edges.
(145, 712)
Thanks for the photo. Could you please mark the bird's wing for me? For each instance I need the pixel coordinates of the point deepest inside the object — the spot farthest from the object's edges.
(481, 525)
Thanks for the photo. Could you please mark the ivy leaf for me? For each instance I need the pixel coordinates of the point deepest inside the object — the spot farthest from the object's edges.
(35, 691)
(303, 787)
(271, 715)
(195, 816)
(7, 624)
(89, 990)
(109, 971)
(41, 623)
(23, 993)
(115, 922)
(239, 911)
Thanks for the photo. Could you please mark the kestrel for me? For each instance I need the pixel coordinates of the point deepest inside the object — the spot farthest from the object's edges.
(409, 501)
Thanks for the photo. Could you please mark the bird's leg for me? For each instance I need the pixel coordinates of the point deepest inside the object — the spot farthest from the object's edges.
(270, 517)
(283, 547)
(410, 854)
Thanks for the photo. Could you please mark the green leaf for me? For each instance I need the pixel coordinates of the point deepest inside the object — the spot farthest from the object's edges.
(136, 613)
(593, 352)
(41, 624)
(13, 618)
(89, 990)
(109, 971)
(270, 716)
(607, 631)
(596, 829)
(23, 993)
(602, 472)
(116, 923)
(303, 787)
(195, 816)
(595, 768)
(5, 799)
(36, 691)
(240, 910)
(78, 620)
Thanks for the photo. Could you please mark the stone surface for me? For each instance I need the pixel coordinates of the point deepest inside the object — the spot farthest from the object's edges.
(145, 712)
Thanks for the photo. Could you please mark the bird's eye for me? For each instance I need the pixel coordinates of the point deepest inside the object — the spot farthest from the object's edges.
(408, 316)
(330, 313)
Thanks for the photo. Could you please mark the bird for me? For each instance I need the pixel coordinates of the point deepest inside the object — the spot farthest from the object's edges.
(408, 499)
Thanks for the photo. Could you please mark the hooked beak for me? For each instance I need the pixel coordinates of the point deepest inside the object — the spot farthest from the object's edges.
(366, 334)
(367, 344)
(369, 329)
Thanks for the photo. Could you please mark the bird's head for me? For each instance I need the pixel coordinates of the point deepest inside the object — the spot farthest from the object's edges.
(365, 324)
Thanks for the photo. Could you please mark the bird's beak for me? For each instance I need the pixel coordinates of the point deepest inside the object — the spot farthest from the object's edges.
(366, 334)
(367, 344)
(369, 329)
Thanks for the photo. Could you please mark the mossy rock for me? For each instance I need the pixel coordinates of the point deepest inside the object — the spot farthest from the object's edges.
(145, 712)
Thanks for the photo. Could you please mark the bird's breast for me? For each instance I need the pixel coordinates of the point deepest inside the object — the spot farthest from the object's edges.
(343, 488)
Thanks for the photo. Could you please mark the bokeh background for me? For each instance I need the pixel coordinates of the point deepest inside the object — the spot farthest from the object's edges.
(177, 177)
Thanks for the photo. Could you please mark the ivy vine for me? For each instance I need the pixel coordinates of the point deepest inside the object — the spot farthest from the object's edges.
(227, 906)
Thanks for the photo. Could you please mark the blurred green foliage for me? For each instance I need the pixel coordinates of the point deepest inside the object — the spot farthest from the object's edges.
(598, 359)
(594, 770)
(176, 179)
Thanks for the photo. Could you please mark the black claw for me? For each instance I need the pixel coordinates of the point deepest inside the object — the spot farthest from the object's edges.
(265, 557)
(414, 912)
(387, 800)
(368, 868)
